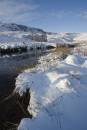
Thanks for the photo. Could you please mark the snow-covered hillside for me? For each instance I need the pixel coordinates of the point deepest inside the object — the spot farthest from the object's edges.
(14, 32)
(81, 37)
(58, 94)
(69, 38)
(16, 27)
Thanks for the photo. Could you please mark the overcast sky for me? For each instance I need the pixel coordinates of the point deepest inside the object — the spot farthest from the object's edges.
(50, 15)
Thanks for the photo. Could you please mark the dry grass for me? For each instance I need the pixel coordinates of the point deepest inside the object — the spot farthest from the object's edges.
(22, 68)
(63, 50)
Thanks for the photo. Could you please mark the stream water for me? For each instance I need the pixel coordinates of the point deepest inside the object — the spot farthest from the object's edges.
(10, 67)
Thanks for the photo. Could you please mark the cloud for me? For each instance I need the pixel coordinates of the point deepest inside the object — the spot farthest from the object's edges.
(83, 14)
(14, 9)
(61, 14)
(69, 14)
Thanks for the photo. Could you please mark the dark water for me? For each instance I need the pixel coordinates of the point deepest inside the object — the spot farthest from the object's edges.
(10, 67)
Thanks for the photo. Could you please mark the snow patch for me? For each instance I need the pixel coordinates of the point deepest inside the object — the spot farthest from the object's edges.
(73, 60)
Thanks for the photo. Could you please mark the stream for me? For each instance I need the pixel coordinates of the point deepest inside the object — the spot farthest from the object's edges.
(10, 67)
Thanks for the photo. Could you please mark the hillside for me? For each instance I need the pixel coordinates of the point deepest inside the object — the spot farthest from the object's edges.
(70, 38)
(14, 32)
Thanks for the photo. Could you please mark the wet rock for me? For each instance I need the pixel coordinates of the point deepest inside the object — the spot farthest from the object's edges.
(12, 109)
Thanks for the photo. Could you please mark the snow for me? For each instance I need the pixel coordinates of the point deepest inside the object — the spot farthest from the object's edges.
(62, 38)
(74, 60)
(16, 27)
(81, 37)
(10, 39)
(85, 64)
(67, 38)
(58, 94)
(13, 35)
(11, 45)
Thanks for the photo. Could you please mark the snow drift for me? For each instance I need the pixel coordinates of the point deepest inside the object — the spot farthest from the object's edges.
(58, 95)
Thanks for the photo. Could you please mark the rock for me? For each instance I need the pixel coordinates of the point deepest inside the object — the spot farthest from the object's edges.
(13, 109)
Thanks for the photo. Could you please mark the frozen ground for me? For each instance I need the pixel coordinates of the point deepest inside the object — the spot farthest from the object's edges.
(58, 92)
(67, 38)
(12, 39)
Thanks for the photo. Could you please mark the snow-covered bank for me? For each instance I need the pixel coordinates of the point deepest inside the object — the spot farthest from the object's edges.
(58, 95)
